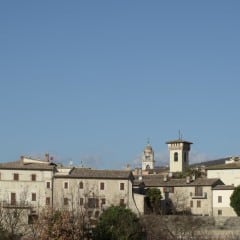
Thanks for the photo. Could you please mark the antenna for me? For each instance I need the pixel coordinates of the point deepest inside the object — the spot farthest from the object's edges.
(180, 135)
(148, 141)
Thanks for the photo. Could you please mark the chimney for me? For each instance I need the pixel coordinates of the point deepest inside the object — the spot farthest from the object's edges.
(193, 177)
(165, 178)
(188, 179)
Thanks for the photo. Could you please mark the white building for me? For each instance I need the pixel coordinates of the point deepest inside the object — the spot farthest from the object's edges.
(221, 201)
(179, 155)
(148, 158)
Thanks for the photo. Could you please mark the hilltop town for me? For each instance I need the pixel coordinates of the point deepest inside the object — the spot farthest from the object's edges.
(197, 190)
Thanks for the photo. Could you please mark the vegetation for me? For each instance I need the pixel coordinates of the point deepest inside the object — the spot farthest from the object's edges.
(118, 223)
(153, 197)
(235, 200)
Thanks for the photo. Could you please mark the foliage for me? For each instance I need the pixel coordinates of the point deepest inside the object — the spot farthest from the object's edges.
(154, 197)
(118, 223)
(235, 200)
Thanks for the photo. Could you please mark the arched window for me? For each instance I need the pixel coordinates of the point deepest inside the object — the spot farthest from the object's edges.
(175, 157)
(81, 185)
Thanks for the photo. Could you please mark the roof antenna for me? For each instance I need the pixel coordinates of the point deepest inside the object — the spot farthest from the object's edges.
(180, 136)
(148, 141)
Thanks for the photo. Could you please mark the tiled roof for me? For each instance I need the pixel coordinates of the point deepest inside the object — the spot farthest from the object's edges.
(19, 165)
(224, 187)
(100, 174)
(159, 182)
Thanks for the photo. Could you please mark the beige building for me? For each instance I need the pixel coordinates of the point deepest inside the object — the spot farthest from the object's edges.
(183, 195)
(93, 190)
(26, 182)
(148, 158)
(221, 201)
(228, 172)
(179, 155)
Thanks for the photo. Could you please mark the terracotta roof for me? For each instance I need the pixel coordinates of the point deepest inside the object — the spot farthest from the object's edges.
(19, 165)
(224, 187)
(102, 174)
(159, 182)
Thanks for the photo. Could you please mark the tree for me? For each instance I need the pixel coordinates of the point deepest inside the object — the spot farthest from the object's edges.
(154, 197)
(118, 223)
(235, 200)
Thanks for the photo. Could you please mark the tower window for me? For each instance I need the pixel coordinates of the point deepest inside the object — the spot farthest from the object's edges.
(175, 157)
(185, 157)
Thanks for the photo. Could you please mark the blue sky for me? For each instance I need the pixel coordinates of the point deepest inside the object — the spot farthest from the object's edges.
(91, 81)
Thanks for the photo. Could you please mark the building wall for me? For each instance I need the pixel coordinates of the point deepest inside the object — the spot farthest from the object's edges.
(221, 203)
(181, 198)
(112, 193)
(228, 176)
(24, 187)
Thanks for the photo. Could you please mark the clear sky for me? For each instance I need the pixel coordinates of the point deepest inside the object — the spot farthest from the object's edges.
(91, 81)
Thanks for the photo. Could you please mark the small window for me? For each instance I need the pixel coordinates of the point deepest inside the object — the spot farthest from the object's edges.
(48, 184)
(15, 176)
(65, 201)
(66, 185)
(102, 186)
(191, 204)
(81, 201)
(122, 202)
(81, 185)
(13, 198)
(219, 212)
(103, 201)
(220, 199)
(190, 194)
(198, 191)
(198, 203)
(34, 196)
(121, 186)
(175, 157)
(48, 201)
(32, 218)
(33, 177)
(97, 214)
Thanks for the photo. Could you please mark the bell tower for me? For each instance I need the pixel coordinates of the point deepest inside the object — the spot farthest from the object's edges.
(179, 155)
(148, 158)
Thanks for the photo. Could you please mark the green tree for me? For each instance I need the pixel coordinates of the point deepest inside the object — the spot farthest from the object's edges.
(118, 223)
(235, 200)
(154, 197)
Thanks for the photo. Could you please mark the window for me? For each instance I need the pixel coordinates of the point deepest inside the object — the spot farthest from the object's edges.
(191, 204)
(175, 157)
(219, 212)
(13, 198)
(122, 202)
(48, 184)
(15, 176)
(102, 186)
(220, 199)
(168, 189)
(65, 201)
(198, 203)
(81, 185)
(97, 214)
(33, 177)
(198, 191)
(66, 185)
(121, 186)
(81, 201)
(48, 200)
(32, 218)
(93, 203)
(103, 201)
(34, 196)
